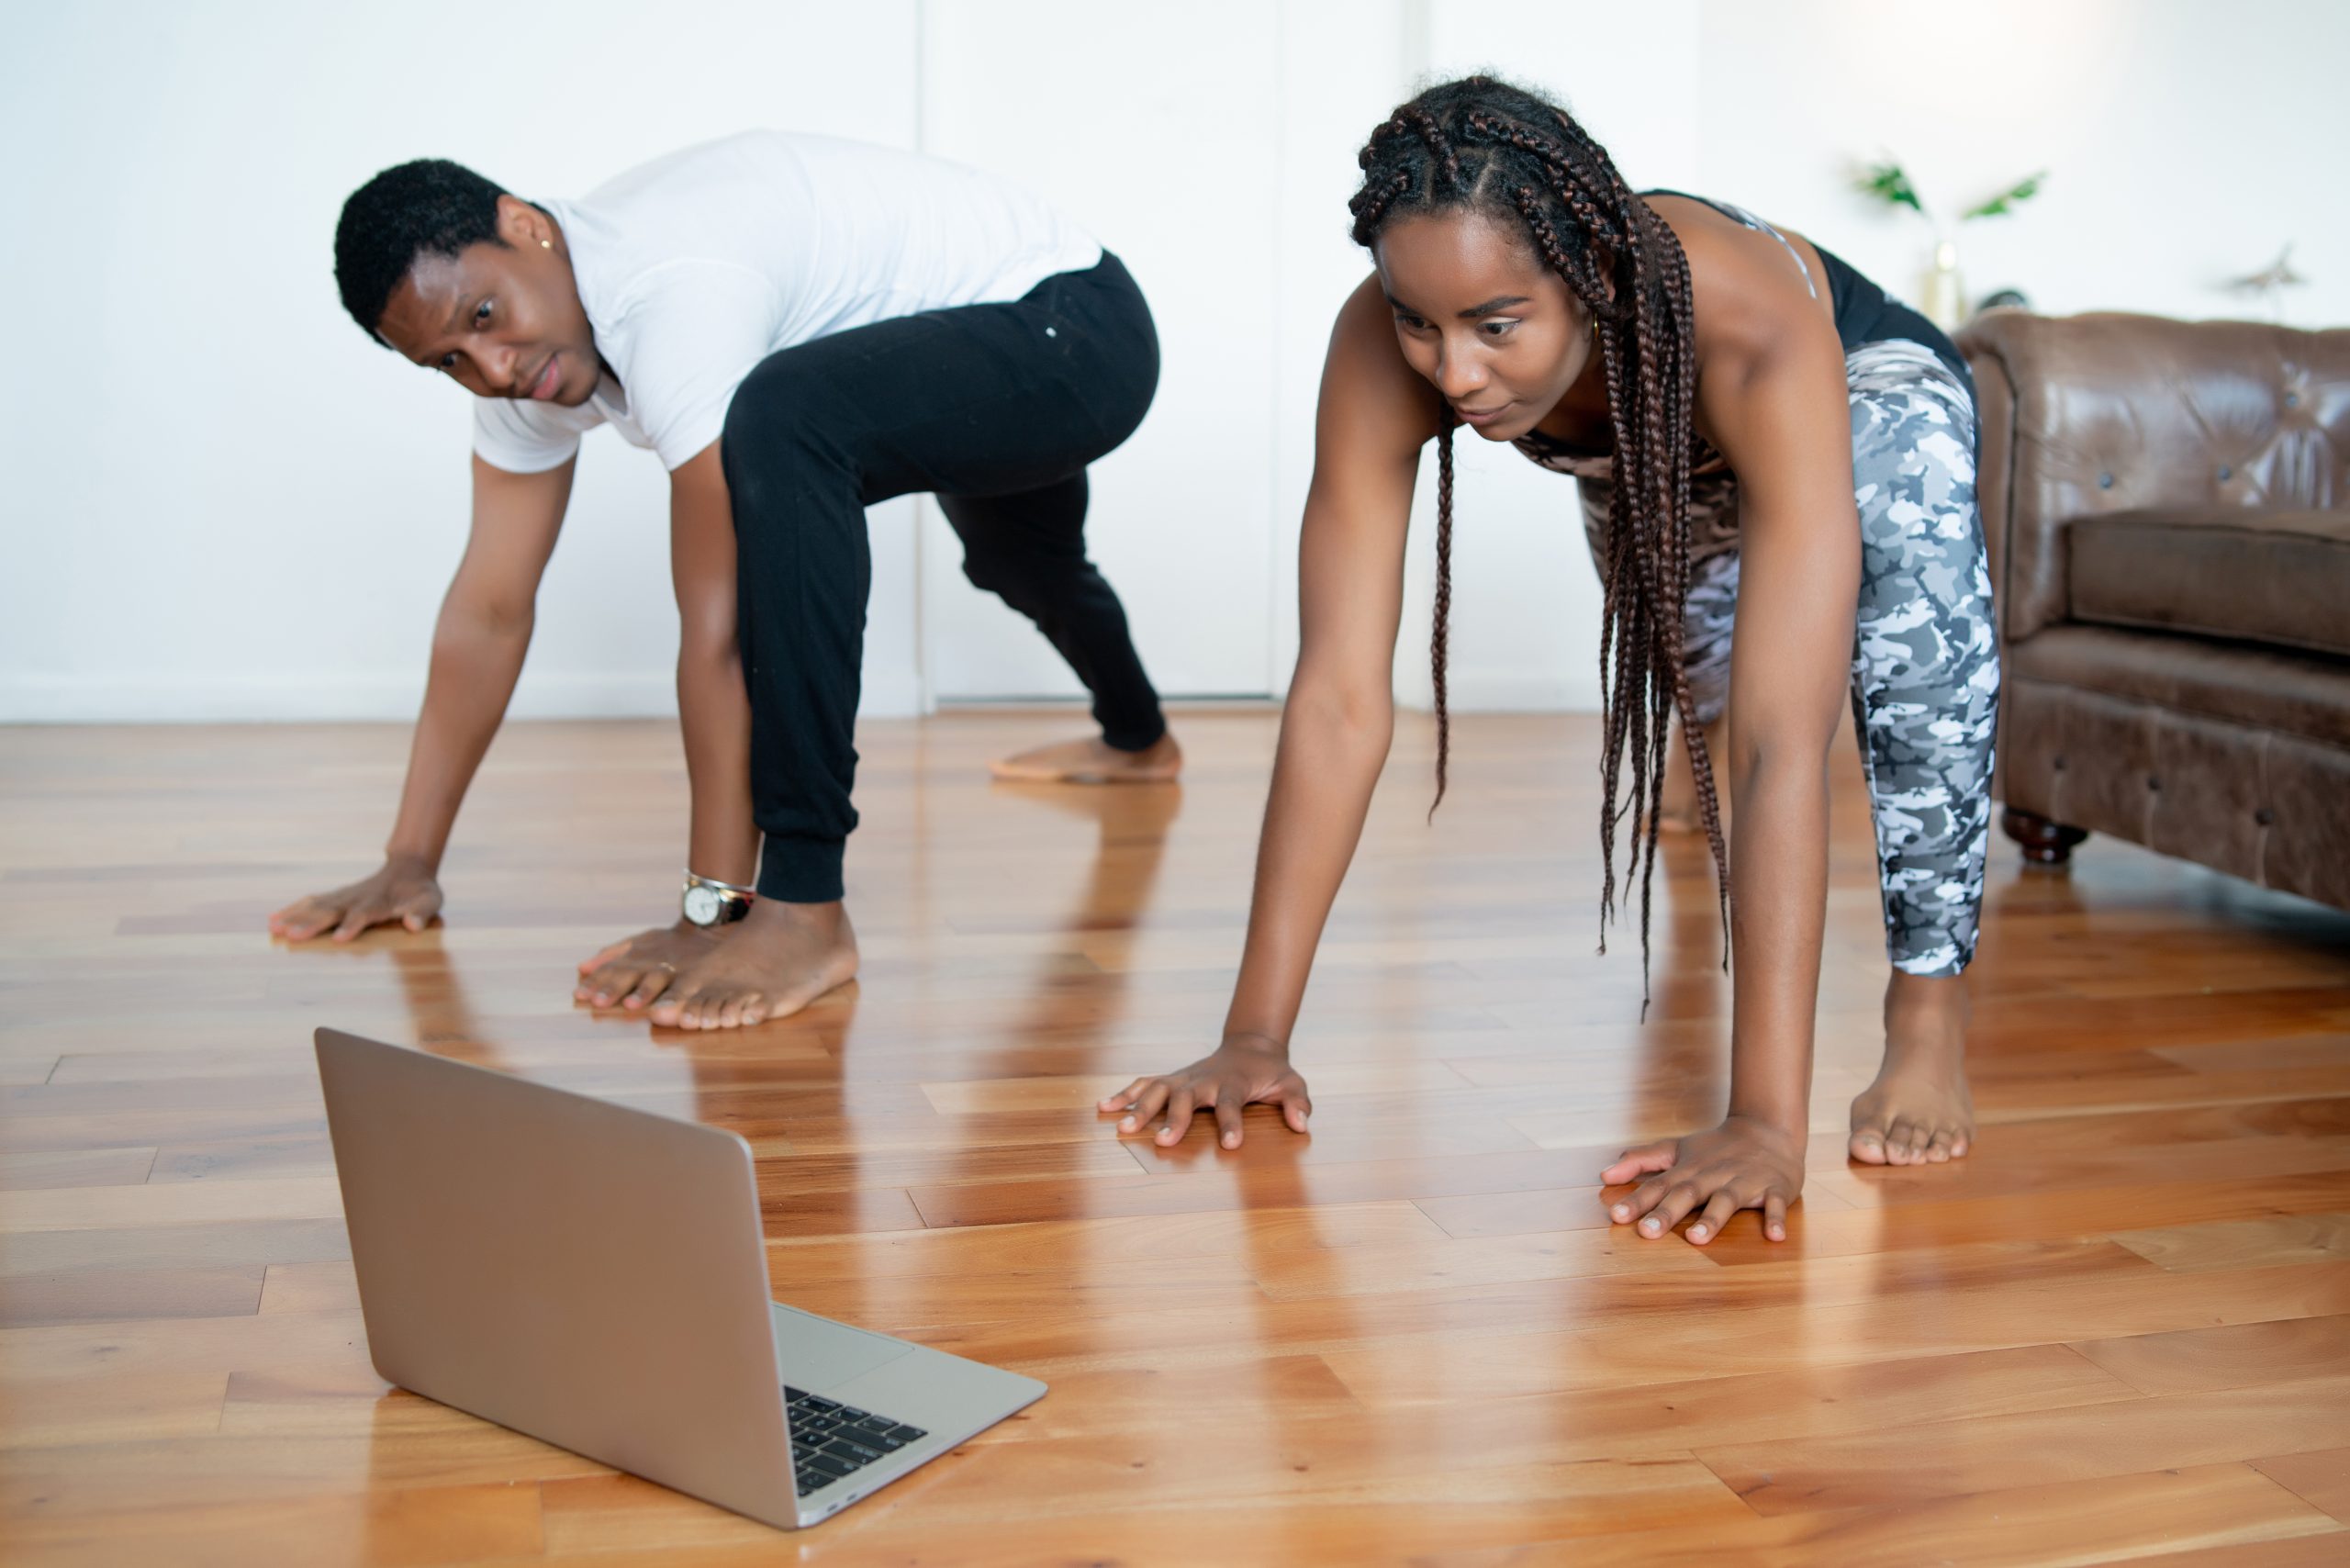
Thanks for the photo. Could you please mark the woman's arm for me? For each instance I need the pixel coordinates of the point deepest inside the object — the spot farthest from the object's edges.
(1770, 395)
(1373, 418)
(478, 643)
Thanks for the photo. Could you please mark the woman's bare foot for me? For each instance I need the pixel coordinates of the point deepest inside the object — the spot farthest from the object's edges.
(635, 970)
(772, 962)
(1093, 761)
(1918, 1110)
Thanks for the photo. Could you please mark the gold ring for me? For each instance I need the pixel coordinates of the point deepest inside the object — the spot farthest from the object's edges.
(664, 963)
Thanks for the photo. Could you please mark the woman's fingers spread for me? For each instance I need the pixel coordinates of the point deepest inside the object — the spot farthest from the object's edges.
(1644, 1161)
(1678, 1199)
(1227, 1122)
(1718, 1208)
(602, 956)
(1297, 1110)
(1178, 1117)
(648, 987)
(1774, 1216)
(1144, 1107)
(1124, 1097)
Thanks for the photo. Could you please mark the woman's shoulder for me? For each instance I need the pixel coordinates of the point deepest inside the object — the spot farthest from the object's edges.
(1748, 288)
(1370, 396)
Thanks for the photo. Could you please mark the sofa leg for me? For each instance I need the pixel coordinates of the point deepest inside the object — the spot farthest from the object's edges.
(2045, 842)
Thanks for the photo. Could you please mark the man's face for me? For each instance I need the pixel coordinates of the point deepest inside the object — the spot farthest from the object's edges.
(500, 319)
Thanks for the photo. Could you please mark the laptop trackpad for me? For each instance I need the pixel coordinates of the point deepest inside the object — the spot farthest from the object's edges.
(816, 1353)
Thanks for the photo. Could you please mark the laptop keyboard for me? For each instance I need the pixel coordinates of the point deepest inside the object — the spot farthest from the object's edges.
(830, 1439)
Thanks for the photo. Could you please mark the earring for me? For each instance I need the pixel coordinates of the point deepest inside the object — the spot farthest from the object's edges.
(546, 244)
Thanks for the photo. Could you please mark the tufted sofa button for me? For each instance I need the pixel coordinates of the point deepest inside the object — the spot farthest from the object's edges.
(2264, 817)
(2154, 785)
(2058, 763)
(2226, 472)
(2293, 400)
(2105, 481)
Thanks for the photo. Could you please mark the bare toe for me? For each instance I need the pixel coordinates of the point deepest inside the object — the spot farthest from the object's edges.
(1868, 1147)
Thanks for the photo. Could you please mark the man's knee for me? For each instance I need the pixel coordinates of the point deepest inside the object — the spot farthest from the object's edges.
(1035, 584)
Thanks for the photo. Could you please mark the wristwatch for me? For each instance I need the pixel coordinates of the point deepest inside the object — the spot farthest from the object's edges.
(709, 902)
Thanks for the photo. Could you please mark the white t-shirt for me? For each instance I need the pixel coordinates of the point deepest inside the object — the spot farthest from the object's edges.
(695, 267)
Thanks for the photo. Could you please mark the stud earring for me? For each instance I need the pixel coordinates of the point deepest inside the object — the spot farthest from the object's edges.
(546, 244)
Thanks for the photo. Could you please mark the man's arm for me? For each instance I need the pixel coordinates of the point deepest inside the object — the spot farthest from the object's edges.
(478, 643)
(713, 708)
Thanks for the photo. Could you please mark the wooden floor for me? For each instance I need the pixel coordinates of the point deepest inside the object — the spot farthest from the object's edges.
(2120, 1330)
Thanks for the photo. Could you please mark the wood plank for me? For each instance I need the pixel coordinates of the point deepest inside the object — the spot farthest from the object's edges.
(2321, 1478)
(1990, 1454)
(2235, 1355)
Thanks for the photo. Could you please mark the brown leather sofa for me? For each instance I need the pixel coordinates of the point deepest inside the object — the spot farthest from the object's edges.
(2168, 512)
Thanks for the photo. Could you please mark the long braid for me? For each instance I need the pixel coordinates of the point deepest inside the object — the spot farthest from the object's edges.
(1443, 615)
(1481, 145)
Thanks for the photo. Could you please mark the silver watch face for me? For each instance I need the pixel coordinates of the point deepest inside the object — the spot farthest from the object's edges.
(703, 905)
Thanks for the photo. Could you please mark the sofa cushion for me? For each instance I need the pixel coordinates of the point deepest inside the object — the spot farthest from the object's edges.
(2276, 577)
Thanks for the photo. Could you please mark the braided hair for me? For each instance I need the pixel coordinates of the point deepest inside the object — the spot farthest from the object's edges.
(1480, 145)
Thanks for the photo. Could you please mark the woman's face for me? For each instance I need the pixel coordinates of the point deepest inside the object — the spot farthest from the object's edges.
(1477, 313)
(501, 320)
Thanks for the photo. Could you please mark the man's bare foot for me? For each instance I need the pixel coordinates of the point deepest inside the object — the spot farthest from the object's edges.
(1918, 1110)
(772, 962)
(1093, 761)
(635, 970)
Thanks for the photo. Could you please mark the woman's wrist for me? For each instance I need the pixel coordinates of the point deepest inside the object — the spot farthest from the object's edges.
(1254, 1040)
(1793, 1125)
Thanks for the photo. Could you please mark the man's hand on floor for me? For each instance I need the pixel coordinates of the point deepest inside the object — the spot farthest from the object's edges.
(403, 890)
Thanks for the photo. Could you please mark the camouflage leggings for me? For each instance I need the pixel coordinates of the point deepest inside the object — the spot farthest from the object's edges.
(1924, 664)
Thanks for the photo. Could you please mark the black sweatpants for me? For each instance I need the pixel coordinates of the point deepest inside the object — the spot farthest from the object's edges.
(997, 410)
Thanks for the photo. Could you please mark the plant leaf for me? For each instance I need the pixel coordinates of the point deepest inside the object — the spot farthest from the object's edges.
(1889, 183)
(2008, 200)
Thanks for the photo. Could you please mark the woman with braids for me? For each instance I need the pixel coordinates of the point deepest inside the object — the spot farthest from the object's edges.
(1755, 426)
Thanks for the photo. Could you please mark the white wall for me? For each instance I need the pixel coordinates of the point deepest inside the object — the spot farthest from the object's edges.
(1171, 164)
(221, 500)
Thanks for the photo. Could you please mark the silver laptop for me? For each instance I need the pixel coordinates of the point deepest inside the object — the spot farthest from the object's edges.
(596, 1276)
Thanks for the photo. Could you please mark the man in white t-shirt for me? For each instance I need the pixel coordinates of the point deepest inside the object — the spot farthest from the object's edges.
(798, 327)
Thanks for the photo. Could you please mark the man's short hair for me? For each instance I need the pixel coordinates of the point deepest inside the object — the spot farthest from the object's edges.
(429, 207)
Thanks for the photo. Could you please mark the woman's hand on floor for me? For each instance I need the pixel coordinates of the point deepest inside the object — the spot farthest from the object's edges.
(1742, 1164)
(634, 971)
(1247, 1070)
(403, 890)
